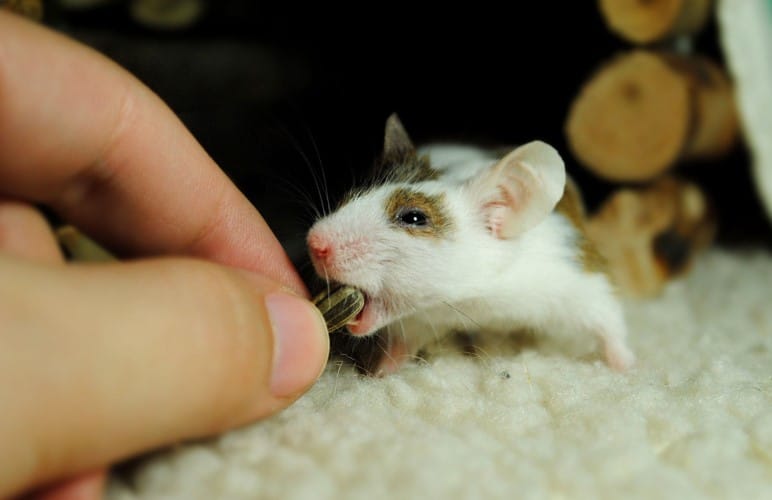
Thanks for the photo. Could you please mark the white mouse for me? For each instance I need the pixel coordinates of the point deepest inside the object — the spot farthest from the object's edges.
(451, 238)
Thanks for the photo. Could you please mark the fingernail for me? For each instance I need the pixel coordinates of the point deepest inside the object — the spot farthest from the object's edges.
(300, 343)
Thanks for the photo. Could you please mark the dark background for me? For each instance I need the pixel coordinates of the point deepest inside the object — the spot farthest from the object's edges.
(278, 93)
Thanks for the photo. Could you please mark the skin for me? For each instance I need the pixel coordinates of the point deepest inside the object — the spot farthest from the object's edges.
(205, 329)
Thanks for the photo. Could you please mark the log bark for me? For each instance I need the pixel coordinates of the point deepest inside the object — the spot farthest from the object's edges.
(644, 111)
(648, 21)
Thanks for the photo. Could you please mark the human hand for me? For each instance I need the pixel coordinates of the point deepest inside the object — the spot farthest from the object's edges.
(100, 362)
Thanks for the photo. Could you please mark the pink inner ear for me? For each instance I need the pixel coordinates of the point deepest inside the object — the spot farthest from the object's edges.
(495, 213)
(521, 189)
(506, 211)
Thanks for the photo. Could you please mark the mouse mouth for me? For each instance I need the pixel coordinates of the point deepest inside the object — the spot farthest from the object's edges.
(358, 318)
(367, 321)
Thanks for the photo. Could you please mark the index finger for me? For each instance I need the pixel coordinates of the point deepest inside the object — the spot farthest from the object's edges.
(81, 135)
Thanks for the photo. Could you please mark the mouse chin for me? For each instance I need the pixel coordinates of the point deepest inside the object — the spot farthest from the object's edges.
(370, 319)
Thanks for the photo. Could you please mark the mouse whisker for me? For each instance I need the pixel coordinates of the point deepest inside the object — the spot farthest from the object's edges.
(434, 329)
(337, 379)
(386, 352)
(326, 279)
(310, 166)
(347, 356)
(484, 356)
(304, 265)
(462, 313)
(298, 196)
(322, 170)
(402, 330)
(326, 209)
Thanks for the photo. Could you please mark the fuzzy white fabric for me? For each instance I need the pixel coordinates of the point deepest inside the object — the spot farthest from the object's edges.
(543, 420)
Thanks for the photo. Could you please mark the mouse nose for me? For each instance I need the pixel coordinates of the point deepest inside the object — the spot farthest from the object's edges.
(320, 249)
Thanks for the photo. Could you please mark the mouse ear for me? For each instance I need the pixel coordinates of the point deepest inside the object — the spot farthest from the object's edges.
(397, 146)
(521, 189)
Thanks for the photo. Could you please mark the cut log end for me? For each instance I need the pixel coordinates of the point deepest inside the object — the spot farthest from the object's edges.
(644, 111)
(32, 9)
(631, 120)
(648, 21)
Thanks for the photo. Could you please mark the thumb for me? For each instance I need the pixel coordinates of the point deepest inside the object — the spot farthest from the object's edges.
(101, 362)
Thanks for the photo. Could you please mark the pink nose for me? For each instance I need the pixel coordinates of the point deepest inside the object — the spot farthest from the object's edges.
(320, 249)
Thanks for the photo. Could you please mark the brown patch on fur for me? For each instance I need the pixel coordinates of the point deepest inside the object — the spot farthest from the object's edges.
(467, 343)
(408, 170)
(432, 205)
(411, 170)
(399, 161)
(571, 206)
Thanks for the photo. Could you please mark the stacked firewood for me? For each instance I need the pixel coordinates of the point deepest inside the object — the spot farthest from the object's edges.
(30, 8)
(640, 116)
(155, 14)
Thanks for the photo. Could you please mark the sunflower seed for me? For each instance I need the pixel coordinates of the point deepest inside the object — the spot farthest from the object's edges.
(339, 304)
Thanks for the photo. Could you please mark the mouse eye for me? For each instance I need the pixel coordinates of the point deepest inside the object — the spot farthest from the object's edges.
(413, 217)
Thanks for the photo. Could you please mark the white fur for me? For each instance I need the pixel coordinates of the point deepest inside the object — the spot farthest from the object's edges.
(470, 279)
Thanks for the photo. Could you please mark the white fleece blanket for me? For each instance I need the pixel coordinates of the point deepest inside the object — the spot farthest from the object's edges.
(525, 420)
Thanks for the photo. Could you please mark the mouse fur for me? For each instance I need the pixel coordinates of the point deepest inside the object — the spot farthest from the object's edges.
(452, 238)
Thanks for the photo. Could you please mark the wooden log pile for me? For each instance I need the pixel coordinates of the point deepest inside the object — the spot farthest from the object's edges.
(638, 117)
(650, 21)
(30, 8)
(650, 234)
(645, 111)
(154, 14)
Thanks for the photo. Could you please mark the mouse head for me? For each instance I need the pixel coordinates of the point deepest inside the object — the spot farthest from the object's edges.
(414, 239)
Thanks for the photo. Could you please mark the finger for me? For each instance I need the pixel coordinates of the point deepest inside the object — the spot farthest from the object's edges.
(175, 349)
(88, 486)
(25, 233)
(80, 134)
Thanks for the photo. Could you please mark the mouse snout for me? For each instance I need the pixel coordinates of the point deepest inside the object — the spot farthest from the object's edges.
(320, 248)
(339, 256)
